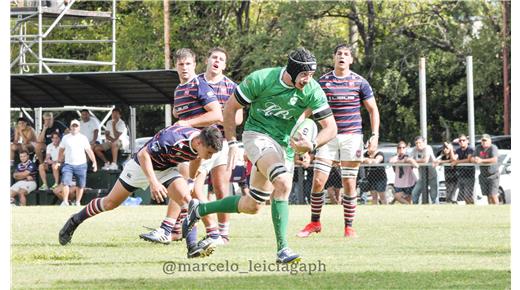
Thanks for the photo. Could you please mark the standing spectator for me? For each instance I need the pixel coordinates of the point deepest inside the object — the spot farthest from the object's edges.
(23, 139)
(465, 173)
(333, 184)
(447, 156)
(45, 137)
(89, 127)
(116, 137)
(423, 154)
(51, 161)
(74, 146)
(486, 156)
(25, 176)
(376, 175)
(404, 176)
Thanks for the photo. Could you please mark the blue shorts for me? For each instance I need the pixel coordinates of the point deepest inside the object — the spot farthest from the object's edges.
(80, 171)
(404, 190)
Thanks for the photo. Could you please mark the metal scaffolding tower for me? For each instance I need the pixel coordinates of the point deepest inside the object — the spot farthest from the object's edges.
(32, 12)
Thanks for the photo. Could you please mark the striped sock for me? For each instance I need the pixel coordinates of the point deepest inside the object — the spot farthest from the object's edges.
(317, 202)
(224, 230)
(191, 238)
(93, 208)
(178, 223)
(212, 232)
(349, 209)
(167, 225)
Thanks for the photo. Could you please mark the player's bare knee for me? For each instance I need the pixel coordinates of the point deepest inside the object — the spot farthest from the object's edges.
(283, 183)
(110, 204)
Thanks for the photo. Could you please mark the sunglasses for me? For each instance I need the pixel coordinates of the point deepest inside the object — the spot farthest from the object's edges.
(401, 147)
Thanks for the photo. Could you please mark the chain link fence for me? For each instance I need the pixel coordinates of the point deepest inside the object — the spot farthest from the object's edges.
(389, 183)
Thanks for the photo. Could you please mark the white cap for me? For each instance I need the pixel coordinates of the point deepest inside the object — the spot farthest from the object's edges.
(74, 122)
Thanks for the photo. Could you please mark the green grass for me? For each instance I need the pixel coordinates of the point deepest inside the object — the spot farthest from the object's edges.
(405, 247)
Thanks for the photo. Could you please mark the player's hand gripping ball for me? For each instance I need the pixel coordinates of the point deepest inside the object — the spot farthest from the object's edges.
(305, 130)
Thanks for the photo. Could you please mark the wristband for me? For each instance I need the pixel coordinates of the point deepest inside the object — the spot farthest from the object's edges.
(232, 143)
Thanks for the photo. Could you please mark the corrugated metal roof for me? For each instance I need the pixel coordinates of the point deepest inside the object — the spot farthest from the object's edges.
(93, 88)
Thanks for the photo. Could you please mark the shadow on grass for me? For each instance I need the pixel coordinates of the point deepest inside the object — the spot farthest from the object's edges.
(474, 279)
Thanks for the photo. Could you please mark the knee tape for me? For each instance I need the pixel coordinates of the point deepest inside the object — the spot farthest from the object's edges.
(349, 172)
(258, 195)
(321, 166)
(276, 170)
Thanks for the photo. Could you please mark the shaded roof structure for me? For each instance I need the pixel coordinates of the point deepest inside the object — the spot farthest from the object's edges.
(128, 88)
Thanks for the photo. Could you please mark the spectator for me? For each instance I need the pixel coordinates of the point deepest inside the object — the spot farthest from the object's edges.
(23, 139)
(333, 185)
(73, 190)
(89, 127)
(375, 175)
(423, 154)
(116, 137)
(447, 156)
(404, 176)
(301, 162)
(73, 147)
(51, 161)
(465, 173)
(486, 156)
(25, 176)
(45, 137)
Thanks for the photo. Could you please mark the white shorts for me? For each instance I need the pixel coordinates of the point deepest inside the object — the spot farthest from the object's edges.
(133, 175)
(27, 185)
(345, 147)
(257, 144)
(219, 158)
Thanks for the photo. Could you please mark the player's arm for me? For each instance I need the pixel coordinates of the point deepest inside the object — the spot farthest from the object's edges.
(328, 132)
(231, 108)
(194, 167)
(373, 111)
(157, 190)
(212, 116)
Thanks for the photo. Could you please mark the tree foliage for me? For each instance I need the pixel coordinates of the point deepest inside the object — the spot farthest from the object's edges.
(389, 39)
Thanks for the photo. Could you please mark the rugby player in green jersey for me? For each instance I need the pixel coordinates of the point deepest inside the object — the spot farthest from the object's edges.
(276, 98)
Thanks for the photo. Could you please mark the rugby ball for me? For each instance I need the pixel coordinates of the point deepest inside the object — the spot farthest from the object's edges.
(306, 129)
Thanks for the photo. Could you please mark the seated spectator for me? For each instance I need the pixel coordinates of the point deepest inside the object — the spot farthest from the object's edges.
(73, 190)
(25, 176)
(486, 156)
(45, 137)
(23, 139)
(89, 126)
(447, 156)
(51, 162)
(73, 146)
(376, 176)
(116, 137)
(404, 176)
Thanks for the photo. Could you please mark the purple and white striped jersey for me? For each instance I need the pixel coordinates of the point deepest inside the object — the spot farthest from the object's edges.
(171, 146)
(223, 91)
(29, 165)
(345, 95)
(191, 97)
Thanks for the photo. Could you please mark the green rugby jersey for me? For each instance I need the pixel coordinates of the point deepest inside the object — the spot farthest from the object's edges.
(275, 107)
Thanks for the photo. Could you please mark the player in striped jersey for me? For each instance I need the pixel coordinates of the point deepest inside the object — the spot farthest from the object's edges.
(156, 165)
(346, 91)
(189, 113)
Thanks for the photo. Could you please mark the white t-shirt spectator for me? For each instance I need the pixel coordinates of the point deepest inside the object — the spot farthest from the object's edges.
(420, 154)
(75, 146)
(120, 127)
(53, 151)
(88, 128)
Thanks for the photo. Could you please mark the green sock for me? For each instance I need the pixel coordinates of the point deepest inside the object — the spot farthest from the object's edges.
(228, 204)
(280, 216)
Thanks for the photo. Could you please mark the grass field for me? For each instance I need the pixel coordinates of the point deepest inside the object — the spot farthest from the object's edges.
(412, 247)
